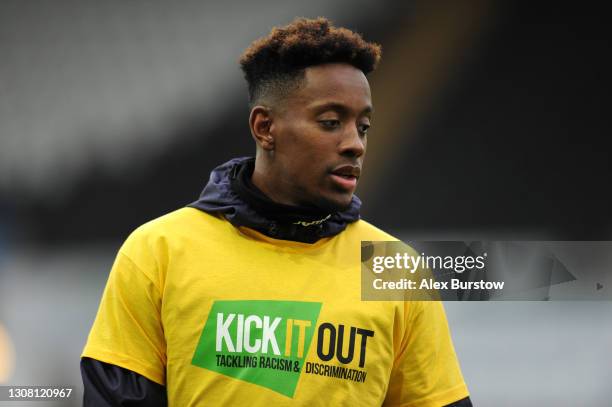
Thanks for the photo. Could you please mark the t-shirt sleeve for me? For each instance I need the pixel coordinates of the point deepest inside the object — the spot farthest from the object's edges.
(127, 330)
(426, 371)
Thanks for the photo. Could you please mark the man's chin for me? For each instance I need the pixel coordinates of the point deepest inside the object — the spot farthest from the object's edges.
(335, 205)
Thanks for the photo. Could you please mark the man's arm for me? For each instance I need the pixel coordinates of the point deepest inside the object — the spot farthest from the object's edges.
(466, 402)
(127, 333)
(426, 370)
(108, 385)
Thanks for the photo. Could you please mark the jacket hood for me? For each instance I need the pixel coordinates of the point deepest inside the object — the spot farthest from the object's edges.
(230, 193)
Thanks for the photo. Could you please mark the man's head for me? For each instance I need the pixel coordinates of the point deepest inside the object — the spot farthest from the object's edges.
(310, 111)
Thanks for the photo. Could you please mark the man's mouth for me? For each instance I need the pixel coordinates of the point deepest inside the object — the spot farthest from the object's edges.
(346, 176)
(353, 171)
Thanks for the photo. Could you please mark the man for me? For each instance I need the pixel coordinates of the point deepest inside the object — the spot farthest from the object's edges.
(251, 295)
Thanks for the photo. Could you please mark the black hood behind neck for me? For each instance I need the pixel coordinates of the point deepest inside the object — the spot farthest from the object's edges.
(231, 193)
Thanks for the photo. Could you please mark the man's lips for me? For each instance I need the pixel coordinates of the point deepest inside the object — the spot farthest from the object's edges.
(346, 176)
(347, 170)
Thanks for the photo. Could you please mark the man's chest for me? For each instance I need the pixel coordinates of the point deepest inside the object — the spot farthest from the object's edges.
(289, 324)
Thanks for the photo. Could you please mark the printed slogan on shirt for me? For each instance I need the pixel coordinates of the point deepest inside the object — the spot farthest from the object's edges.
(267, 343)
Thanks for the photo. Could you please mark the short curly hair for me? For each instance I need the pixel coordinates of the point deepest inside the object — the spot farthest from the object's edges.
(274, 65)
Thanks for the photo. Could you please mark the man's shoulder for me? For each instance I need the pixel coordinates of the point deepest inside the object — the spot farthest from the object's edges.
(183, 221)
(366, 231)
(178, 218)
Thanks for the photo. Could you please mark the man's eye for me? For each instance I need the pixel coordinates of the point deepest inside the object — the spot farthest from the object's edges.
(330, 124)
(363, 128)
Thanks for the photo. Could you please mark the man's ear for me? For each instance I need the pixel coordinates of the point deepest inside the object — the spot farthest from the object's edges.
(260, 122)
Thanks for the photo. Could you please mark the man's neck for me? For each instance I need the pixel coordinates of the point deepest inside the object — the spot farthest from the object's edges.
(262, 180)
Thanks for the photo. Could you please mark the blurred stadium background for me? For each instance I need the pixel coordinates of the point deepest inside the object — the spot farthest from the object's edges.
(491, 119)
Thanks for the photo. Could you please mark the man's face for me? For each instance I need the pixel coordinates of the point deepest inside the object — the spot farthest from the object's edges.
(320, 138)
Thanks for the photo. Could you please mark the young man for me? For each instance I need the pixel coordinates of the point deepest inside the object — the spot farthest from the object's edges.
(251, 295)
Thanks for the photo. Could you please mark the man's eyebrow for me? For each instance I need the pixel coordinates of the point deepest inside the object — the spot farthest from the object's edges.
(338, 107)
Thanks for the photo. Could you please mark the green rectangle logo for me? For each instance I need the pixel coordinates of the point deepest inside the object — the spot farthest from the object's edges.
(260, 342)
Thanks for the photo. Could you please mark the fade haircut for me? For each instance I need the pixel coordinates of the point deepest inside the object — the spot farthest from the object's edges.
(274, 65)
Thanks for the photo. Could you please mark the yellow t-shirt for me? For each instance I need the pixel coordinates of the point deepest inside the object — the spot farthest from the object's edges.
(227, 316)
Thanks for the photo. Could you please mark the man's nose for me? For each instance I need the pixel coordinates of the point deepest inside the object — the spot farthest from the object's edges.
(353, 144)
